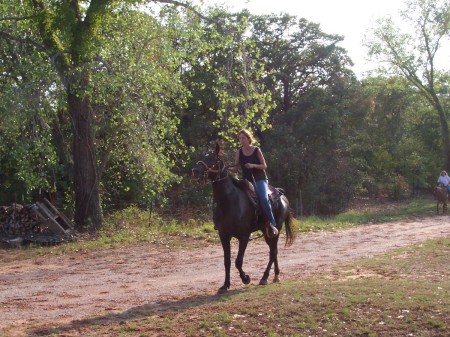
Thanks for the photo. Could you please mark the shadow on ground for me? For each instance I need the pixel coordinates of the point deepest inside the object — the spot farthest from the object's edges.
(139, 312)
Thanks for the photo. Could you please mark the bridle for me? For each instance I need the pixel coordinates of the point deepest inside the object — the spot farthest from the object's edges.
(218, 167)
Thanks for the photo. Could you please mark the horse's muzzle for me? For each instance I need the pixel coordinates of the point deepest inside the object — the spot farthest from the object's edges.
(196, 174)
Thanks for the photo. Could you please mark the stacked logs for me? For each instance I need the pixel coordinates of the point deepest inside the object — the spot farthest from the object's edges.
(19, 220)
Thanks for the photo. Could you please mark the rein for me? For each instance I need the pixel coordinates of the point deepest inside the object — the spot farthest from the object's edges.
(225, 168)
(208, 170)
(218, 168)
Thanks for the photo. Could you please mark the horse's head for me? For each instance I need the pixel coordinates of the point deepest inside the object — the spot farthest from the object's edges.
(211, 166)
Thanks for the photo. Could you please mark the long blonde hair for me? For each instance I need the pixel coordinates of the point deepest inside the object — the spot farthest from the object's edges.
(247, 134)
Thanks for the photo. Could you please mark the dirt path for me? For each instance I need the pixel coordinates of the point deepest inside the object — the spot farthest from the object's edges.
(61, 289)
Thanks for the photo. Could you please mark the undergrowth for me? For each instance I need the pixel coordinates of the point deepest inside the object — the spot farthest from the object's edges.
(134, 225)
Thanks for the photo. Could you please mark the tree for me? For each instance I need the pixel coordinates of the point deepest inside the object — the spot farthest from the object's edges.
(69, 36)
(307, 74)
(118, 89)
(397, 145)
(226, 81)
(414, 56)
(298, 54)
(136, 93)
(310, 150)
(27, 155)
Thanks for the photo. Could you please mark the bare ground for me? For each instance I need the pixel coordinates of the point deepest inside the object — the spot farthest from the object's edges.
(63, 290)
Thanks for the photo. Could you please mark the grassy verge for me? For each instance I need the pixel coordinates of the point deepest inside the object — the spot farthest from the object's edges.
(132, 226)
(371, 213)
(403, 293)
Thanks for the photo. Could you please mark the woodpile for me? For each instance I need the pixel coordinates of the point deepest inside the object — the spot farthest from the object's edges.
(19, 220)
(39, 223)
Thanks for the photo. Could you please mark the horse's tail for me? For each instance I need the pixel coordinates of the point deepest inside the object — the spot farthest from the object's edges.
(290, 234)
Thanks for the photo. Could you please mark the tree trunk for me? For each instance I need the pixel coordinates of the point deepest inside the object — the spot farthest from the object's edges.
(286, 96)
(61, 147)
(444, 128)
(86, 185)
(445, 141)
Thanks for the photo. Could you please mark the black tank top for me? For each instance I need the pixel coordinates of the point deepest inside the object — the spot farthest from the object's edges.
(252, 174)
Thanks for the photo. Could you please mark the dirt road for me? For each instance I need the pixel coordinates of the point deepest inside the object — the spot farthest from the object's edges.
(61, 289)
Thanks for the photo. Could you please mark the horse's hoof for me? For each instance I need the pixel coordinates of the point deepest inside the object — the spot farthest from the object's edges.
(246, 279)
(263, 282)
(222, 290)
(276, 279)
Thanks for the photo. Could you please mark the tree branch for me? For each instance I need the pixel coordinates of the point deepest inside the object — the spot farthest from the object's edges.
(52, 46)
(192, 9)
(12, 18)
(7, 36)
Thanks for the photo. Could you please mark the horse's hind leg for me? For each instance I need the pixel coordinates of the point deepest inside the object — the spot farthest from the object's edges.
(276, 268)
(273, 259)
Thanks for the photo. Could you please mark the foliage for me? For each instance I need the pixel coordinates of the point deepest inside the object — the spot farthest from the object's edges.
(194, 226)
(124, 77)
(27, 154)
(226, 80)
(312, 160)
(396, 164)
(308, 72)
(415, 56)
(298, 55)
(107, 102)
(136, 94)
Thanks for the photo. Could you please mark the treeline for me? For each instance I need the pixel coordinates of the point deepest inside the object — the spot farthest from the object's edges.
(108, 103)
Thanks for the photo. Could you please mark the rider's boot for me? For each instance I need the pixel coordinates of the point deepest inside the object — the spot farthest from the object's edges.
(271, 230)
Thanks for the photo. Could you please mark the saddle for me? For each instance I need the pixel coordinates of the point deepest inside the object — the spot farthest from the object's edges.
(274, 193)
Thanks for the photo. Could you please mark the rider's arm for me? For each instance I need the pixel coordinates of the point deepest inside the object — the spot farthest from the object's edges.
(262, 162)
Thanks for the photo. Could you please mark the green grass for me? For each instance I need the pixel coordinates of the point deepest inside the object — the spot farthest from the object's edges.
(133, 225)
(384, 212)
(402, 293)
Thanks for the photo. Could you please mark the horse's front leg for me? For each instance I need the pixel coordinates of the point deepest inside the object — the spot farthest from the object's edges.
(226, 245)
(243, 241)
(273, 259)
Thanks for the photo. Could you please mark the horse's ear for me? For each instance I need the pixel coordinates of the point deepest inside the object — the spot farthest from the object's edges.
(217, 149)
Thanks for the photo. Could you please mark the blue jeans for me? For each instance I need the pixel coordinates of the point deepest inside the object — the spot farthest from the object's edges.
(261, 187)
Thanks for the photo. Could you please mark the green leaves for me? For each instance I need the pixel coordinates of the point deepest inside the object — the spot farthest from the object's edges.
(414, 55)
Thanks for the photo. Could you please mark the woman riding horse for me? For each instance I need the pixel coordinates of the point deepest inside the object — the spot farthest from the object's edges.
(254, 166)
(235, 216)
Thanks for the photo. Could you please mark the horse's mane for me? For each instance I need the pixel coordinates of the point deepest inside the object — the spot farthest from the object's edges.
(240, 183)
(234, 179)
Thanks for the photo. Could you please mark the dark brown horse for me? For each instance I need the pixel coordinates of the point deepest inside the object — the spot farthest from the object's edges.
(235, 216)
(441, 197)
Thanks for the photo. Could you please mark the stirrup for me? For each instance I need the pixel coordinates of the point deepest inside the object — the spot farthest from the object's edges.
(271, 231)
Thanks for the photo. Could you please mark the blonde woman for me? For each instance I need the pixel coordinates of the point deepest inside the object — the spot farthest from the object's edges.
(253, 165)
